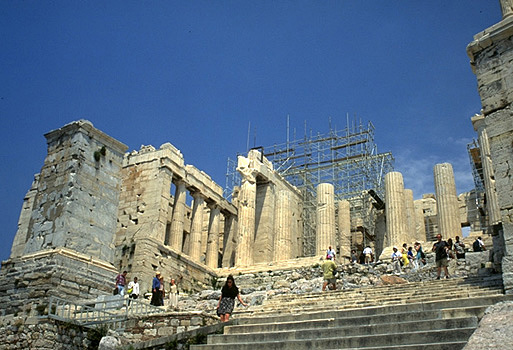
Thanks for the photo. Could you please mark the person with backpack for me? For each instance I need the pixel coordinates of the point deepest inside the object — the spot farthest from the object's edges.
(478, 245)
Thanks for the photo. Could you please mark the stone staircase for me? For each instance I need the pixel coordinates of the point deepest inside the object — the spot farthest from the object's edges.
(435, 315)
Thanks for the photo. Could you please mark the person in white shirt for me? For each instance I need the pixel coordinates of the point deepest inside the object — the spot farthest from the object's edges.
(331, 253)
(367, 252)
(396, 260)
(133, 290)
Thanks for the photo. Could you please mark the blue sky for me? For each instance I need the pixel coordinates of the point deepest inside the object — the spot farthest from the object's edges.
(197, 73)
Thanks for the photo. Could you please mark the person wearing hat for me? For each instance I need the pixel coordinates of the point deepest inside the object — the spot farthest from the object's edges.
(156, 298)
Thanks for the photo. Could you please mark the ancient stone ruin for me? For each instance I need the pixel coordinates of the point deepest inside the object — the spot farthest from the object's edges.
(95, 209)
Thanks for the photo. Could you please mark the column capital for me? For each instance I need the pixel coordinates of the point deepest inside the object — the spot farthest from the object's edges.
(478, 122)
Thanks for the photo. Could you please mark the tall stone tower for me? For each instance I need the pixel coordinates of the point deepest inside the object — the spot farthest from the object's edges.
(74, 199)
(64, 243)
(491, 56)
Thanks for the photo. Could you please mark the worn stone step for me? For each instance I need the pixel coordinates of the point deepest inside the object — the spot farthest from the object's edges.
(358, 342)
(342, 299)
(331, 311)
(263, 333)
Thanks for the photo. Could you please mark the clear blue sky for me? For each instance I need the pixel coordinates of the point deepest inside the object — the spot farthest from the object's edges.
(196, 73)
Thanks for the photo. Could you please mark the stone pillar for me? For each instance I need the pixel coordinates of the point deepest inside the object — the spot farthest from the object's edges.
(395, 209)
(492, 204)
(410, 216)
(77, 193)
(507, 8)
(264, 223)
(177, 222)
(325, 218)
(448, 213)
(344, 228)
(420, 225)
(211, 260)
(196, 226)
(246, 229)
(283, 226)
(229, 240)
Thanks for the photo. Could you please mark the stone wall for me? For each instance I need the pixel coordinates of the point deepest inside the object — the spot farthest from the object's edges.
(27, 283)
(24, 333)
(491, 55)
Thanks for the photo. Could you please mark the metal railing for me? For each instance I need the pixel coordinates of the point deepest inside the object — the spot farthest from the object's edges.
(111, 311)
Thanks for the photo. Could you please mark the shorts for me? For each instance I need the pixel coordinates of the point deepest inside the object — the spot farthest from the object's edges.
(331, 280)
(442, 263)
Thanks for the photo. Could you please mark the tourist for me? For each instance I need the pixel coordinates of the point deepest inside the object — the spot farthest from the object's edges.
(331, 253)
(367, 252)
(420, 256)
(404, 253)
(411, 258)
(155, 290)
(354, 257)
(450, 253)
(227, 299)
(478, 245)
(441, 249)
(173, 294)
(396, 260)
(121, 282)
(459, 248)
(329, 269)
(133, 290)
(162, 290)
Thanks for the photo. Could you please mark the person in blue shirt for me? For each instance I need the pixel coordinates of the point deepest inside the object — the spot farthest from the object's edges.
(156, 298)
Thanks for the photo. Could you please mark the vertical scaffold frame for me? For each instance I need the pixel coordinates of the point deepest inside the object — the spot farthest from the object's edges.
(346, 158)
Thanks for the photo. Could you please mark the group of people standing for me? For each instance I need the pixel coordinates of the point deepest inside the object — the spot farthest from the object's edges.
(158, 292)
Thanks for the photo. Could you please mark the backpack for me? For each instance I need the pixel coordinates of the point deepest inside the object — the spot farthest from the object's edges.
(476, 246)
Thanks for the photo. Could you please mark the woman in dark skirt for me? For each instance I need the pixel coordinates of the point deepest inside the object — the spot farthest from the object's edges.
(227, 299)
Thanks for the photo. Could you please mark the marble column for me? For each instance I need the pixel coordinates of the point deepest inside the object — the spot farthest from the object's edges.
(246, 229)
(196, 226)
(492, 203)
(325, 218)
(177, 221)
(283, 226)
(420, 225)
(448, 213)
(344, 228)
(211, 259)
(395, 209)
(409, 210)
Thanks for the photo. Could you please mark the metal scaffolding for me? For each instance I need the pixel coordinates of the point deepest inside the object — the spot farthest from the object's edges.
(347, 158)
(476, 164)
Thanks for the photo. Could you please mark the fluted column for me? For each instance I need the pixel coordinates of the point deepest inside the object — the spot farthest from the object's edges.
(492, 203)
(282, 227)
(196, 226)
(420, 225)
(177, 222)
(211, 259)
(344, 228)
(448, 214)
(410, 216)
(325, 218)
(246, 229)
(395, 209)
